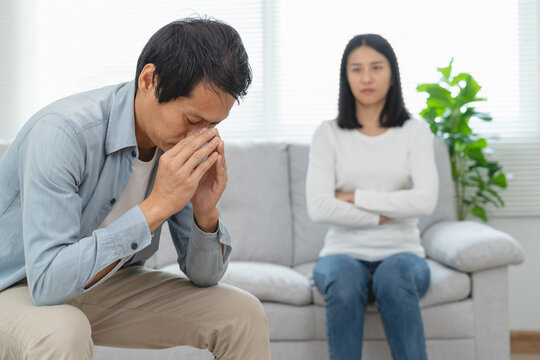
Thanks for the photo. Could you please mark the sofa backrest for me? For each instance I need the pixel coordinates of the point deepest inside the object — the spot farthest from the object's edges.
(255, 206)
(446, 205)
(3, 147)
(309, 236)
(256, 203)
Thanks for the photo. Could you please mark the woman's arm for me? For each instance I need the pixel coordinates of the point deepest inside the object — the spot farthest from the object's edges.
(422, 198)
(320, 186)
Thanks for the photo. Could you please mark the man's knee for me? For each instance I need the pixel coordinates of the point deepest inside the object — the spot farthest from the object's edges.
(69, 336)
(245, 307)
(245, 334)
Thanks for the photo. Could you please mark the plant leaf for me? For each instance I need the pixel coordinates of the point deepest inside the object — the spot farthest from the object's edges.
(429, 113)
(459, 78)
(446, 71)
(439, 97)
(426, 87)
(478, 144)
(477, 155)
(479, 211)
(493, 167)
(494, 193)
(487, 199)
(499, 180)
(464, 126)
(483, 116)
(471, 89)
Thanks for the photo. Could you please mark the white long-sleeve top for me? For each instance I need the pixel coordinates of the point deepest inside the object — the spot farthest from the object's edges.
(393, 174)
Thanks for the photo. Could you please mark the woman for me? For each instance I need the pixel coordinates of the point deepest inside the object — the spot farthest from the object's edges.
(371, 175)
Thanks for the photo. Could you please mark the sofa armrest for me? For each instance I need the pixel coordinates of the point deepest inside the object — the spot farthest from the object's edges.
(470, 246)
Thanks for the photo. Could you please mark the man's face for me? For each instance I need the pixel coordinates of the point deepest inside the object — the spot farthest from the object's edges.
(164, 125)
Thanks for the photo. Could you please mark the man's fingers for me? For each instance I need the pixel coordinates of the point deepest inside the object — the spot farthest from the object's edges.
(199, 156)
(221, 151)
(191, 143)
(203, 167)
(221, 172)
(223, 158)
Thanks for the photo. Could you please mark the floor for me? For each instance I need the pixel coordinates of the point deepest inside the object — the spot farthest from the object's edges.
(525, 357)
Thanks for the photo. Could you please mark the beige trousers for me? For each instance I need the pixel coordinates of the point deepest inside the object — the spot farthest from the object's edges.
(135, 308)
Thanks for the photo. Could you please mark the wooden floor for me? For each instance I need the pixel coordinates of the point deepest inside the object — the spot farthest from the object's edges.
(525, 357)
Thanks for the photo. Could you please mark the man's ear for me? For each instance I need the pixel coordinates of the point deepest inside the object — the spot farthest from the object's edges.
(147, 79)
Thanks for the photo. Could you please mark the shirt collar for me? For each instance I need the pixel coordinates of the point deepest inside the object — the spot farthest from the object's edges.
(121, 127)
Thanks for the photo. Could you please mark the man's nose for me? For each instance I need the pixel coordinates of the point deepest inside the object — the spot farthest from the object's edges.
(203, 125)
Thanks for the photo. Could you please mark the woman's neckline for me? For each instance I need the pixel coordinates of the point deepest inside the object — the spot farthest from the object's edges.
(383, 131)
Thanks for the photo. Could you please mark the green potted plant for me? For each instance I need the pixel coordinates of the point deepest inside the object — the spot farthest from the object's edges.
(477, 176)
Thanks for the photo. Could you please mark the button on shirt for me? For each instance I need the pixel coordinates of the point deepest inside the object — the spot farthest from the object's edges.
(60, 178)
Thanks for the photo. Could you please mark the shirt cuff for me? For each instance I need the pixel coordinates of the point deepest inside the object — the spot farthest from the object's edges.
(121, 239)
(359, 195)
(207, 241)
(109, 274)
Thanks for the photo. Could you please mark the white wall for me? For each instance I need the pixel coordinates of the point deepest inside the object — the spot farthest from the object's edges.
(525, 278)
(8, 127)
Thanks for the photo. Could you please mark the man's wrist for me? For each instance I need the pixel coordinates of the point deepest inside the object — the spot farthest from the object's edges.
(207, 222)
(153, 214)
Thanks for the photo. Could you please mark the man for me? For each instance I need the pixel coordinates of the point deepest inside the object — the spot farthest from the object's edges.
(84, 190)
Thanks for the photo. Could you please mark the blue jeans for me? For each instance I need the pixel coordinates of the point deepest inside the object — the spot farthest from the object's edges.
(396, 284)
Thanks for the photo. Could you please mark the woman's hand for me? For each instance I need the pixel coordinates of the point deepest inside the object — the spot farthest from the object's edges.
(383, 219)
(345, 196)
(349, 197)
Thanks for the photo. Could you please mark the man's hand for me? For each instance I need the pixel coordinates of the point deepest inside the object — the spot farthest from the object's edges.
(179, 174)
(209, 192)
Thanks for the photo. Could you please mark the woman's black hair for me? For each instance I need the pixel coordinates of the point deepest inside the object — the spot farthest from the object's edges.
(193, 50)
(394, 112)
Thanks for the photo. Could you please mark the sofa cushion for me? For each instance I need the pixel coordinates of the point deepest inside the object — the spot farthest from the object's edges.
(268, 282)
(308, 235)
(255, 205)
(447, 285)
(471, 246)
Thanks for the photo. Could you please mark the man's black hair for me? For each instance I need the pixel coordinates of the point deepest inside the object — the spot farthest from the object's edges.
(193, 50)
(394, 113)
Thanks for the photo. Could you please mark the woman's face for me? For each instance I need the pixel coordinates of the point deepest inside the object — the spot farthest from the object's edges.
(369, 75)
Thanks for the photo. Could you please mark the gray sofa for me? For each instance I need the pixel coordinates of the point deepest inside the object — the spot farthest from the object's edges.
(275, 245)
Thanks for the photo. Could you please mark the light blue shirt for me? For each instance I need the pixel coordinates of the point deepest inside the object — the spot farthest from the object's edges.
(61, 177)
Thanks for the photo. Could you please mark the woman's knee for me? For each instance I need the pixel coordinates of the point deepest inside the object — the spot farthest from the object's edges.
(341, 279)
(401, 275)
